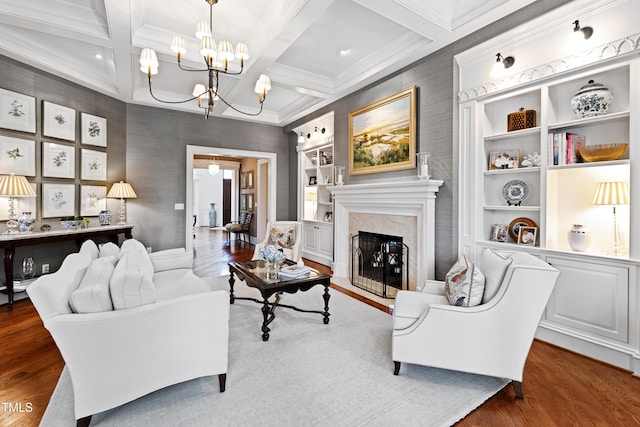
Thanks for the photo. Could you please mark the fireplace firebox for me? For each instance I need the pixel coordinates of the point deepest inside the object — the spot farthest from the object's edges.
(379, 263)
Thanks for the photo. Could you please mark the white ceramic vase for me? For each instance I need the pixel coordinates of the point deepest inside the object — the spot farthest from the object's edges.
(579, 237)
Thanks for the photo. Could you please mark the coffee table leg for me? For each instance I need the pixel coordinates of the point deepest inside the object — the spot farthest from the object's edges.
(232, 280)
(265, 313)
(326, 297)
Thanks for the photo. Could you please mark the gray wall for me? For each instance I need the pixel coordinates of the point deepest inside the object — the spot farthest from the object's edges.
(436, 123)
(156, 165)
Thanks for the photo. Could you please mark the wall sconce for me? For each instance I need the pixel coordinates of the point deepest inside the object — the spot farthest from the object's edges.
(501, 65)
(301, 138)
(579, 35)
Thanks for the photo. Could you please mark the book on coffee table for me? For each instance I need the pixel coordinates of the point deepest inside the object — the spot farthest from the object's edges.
(294, 272)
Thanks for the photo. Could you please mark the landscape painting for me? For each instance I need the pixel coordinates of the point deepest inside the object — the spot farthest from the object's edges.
(382, 135)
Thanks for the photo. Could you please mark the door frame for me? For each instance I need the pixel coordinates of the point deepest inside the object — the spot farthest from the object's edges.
(192, 150)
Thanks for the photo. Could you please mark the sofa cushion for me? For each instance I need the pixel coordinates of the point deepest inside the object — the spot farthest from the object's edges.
(130, 244)
(171, 284)
(464, 284)
(109, 249)
(132, 280)
(171, 259)
(284, 237)
(494, 266)
(89, 248)
(93, 293)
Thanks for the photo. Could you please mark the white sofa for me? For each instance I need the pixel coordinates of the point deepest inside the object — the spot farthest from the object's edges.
(492, 338)
(167, 330)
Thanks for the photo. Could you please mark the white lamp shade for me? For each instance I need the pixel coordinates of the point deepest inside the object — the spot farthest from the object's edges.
(225, 51)
(148, 58)
(208, 47)
(242, 51)
(263, 85)
(177, 45)
(203, 30)
(200, 90)
(122, 190)
(611, 193)
(15, 186)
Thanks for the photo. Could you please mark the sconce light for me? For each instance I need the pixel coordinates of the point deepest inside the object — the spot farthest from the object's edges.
(579, 35)
(501, 65)
(323, 130)
(301, 138)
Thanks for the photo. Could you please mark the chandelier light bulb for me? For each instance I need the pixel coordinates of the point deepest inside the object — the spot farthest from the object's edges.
(242, 51)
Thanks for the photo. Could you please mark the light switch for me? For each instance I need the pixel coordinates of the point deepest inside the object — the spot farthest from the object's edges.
(179, 206)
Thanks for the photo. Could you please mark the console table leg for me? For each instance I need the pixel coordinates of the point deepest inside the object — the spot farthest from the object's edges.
(8, 274)
(326, 297)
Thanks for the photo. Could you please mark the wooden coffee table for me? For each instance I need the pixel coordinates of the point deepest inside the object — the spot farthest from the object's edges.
(254, 275)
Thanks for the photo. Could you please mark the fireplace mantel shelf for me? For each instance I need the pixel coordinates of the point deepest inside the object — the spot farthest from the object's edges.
(412, 186)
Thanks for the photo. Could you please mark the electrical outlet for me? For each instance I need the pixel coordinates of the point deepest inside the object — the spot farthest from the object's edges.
(45, 268)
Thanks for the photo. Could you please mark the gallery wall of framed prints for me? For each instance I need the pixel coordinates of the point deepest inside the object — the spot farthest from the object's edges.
(61, 151)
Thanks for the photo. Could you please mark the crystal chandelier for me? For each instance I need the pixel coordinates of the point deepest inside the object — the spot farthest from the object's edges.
(216, 58)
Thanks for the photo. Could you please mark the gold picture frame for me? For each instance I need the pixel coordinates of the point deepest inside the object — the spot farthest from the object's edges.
(382, 135)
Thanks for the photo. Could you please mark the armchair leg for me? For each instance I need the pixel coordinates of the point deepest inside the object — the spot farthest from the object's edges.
(517, 387)
(222, 379)
(396, 367)
(84, 422)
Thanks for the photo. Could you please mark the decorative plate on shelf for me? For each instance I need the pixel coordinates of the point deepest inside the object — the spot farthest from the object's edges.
(514, 226)
(514, 192)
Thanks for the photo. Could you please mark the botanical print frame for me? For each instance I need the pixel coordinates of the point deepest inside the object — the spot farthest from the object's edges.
(382, 135)
(250, 179)
(94, 130)
(94, 165)
(243, 180)
(249, 201)
(58, 200)
(243, 202)
(58, 160)
(21, 204)
(18, 111)
(505, 159)
(58, 121)
(93, 199)
(17, 155)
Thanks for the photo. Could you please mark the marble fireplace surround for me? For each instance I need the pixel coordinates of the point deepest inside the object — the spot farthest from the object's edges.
(400, 207)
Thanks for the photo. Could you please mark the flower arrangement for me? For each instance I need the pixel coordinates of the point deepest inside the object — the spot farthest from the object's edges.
(272, 253)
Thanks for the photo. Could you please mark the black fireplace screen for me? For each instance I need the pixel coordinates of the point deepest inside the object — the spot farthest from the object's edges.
(379, 263)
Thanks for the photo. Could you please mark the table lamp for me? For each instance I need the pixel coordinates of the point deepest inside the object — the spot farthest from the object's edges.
(613, 193)
(122, 190)
(13, 186)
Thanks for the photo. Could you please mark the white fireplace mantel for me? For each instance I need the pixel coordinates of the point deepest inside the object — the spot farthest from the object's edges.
(409, 197)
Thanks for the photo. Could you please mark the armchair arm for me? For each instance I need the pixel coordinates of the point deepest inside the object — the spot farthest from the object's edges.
(114, 357)
(435, 287)
(171, 259)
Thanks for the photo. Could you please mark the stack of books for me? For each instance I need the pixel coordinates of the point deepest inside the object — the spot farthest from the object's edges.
(294, 272)
(564, 148)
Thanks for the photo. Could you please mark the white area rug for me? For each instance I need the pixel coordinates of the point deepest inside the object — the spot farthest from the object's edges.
(308, 373)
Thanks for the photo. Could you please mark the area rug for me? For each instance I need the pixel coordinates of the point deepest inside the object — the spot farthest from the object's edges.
(308, 373)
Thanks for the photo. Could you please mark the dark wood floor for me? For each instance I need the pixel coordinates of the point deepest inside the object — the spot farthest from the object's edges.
(561, 388)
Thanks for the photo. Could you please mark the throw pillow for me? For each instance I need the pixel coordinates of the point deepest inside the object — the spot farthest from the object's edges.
(93, 294)
(464, 284)
(89, 248)
(284, 237)
(109, 249)
(131, 284)
(494, 267)
(130, 244)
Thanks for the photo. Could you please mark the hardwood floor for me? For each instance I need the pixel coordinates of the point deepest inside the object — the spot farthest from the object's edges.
(561, 388)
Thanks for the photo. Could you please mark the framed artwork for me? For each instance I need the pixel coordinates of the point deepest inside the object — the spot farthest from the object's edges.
(506, 159)
(93, 199)
(382, 135)
(21, 204)
(250, 179)
(58, 160)
(59, 121)
(17, 156)
(499, 232)
(243, 180)
(527, 235)
(514, 226)
(94, 165)
(94, 130)
(243, 202)
(313, 180)
(58, 200)
(18, 111)
(249, 201)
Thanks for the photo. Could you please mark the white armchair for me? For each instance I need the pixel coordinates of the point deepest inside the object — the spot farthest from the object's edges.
(116, 356)
(285, 234)
(493, 338)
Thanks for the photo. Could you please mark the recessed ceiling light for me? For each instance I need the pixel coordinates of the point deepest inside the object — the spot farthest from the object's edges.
(344, 52)
(98, 56)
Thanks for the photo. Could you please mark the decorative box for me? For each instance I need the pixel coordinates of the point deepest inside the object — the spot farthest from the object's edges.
(522, 119)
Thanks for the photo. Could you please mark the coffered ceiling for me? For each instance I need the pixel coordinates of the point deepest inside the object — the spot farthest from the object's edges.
(298, 43)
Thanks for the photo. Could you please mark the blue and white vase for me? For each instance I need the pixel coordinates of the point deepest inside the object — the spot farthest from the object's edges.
(104, 217)
(26, 222)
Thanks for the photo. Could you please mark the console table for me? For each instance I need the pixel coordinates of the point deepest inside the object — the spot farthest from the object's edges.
(11, 241)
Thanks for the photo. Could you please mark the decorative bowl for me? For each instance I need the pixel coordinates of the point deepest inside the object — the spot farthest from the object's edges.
(71, 224)
(602, 152)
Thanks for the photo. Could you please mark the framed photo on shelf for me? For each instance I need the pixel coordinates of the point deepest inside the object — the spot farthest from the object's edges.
(59, 121)
(94, 165)
(17, 156)
(514, 226)
(328, 216)
(94, 130)
(527, 235)
(18, 111)
(313, 180)
(499, 232)
(382, 135)
(22, 204)
(58, 200)
(93, 199)
(58, 160)
(506, 159)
